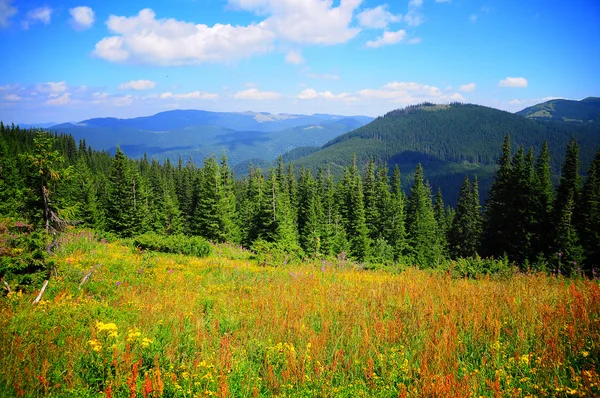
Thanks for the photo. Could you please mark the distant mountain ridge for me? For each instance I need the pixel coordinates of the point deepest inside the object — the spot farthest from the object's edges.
(450, 141)
(579, 112)
(196, 134)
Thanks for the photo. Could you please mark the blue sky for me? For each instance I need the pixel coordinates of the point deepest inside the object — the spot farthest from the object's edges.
(73, 60)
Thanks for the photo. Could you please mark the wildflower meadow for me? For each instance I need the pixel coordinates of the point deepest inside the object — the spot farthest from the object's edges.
(116, 321)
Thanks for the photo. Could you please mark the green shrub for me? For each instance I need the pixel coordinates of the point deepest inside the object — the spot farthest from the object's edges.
(182, 244)
(275, 254)
(23, 258)
(476, 267)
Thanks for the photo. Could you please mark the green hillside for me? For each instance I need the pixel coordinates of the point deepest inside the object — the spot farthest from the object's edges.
(579, 112)
(450, 141)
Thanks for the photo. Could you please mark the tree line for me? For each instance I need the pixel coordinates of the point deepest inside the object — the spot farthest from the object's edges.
(365, 214)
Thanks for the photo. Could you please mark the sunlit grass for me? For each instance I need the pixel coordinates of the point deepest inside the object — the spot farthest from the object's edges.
(170, 325)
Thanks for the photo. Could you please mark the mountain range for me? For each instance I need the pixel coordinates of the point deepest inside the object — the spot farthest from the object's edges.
(450, 140)
(197, 134)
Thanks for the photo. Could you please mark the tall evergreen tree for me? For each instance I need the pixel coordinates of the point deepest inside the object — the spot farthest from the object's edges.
(370, 200)
(543, 193)
(566, 240)
(464, 235)
(588, 216)
(423, 232)
(120, 206)
(495, 238)
(397, 217)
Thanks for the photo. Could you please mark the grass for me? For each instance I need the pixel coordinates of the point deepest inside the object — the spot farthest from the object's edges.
(150, 325)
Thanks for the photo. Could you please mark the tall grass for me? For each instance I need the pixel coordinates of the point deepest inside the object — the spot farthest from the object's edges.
(149, 325)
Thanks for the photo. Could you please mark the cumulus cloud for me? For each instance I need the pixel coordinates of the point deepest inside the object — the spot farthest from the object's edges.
(409, 92)
(513, 82)
(12, 98)
(52, 88)
(532, 101)
(145, 39)
(189, 96)
(6, 12)
(467, 87)
(294, 57)
(138, 85)
(256, 94)
(387, 38)
(41, 14)
(62, 99)
(81, 17)
(414, 16)
(306, 21)
(310, 94)
(324, 76)
(378, 17)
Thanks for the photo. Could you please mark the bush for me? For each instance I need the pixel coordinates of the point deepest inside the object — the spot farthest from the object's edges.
(182, 244)
(476, 267)
(23, 258)
(275, 254)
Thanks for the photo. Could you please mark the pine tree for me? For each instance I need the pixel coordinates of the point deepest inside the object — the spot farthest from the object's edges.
(588, 217)
(397, 217)
(120, 207)
(566, 240)
(352, 211)
(206, 217)
(370, 200)
(309, 214)
(495, 238)
(227, 204)
(543, 192)
(423, 231)
(464, 235)
(89, 209)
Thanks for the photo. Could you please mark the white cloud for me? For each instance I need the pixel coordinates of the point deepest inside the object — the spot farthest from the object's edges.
(310, 94)
(12, 98)
(473, 17)
(81, 17)
(306, 21)
(99, 98)
(387, 38)
(294, 57)
(59, 100)
(467, 87)
(414, 17)
(324, 76)
(41, 14)
(532, 101)
(124, 101)
(192, 95)
(138, 85)
(145, 39)
(52, 87)
(6, 12)
(513, 82)
(378, 17)
(256, 94)
(409, 93)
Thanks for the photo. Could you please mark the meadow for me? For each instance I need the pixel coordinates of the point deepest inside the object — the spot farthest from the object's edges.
(146, 324)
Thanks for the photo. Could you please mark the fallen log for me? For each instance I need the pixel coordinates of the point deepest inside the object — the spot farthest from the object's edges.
(39, 297)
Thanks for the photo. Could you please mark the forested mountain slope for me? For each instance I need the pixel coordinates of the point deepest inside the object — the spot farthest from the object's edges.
(580, 112)
(451, 141)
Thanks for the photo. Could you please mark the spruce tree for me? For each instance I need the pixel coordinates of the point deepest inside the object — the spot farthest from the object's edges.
(543, 192)
(464, 235)
(227, 204)
(370, 200)
(120, 207)
(588, 217)
(423, 232)
(397, 217)
(566, 240)
(496, 235)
